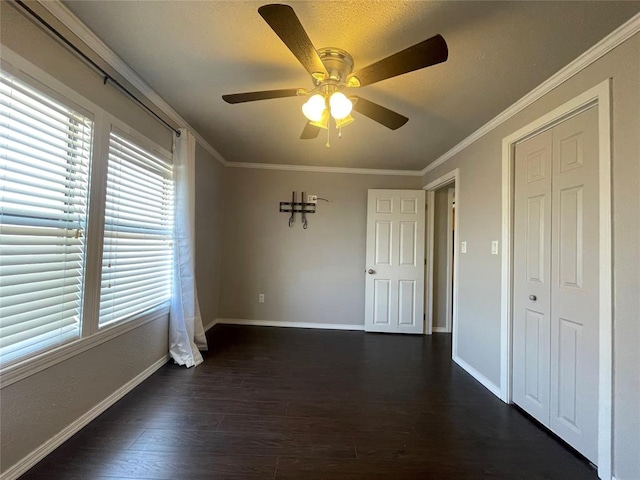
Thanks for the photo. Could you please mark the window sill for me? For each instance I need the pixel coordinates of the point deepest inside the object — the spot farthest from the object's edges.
(30, 366)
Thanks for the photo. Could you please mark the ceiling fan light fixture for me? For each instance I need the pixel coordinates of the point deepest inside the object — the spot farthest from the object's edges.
(323, 122)
(340, 105)
(314, 108)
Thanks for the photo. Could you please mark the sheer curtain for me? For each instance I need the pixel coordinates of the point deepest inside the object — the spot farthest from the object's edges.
(186, 333)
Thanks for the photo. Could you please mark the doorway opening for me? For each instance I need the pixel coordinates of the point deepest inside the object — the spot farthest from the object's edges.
(441, 292)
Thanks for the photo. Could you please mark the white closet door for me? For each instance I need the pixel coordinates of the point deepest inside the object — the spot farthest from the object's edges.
(532, 276)
(575, 289)
(556, 280)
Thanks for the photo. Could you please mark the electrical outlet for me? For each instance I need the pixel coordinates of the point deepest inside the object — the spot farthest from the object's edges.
(261, 298)
(463, 247)
(312, 198)
(494, 247)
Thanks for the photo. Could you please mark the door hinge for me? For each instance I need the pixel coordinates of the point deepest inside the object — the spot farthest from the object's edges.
(425, 261)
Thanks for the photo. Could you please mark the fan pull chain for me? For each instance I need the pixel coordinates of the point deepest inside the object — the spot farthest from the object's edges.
(340, 132)
(328, 145)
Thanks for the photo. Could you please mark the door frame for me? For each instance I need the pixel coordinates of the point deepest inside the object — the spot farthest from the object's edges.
(451, 177)
(450, 258)
(599, 96)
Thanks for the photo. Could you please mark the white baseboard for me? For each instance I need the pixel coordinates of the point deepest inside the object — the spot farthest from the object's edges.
(484, 381)
(210, 325)
(275, 323)
(54, 442)
(440, 330)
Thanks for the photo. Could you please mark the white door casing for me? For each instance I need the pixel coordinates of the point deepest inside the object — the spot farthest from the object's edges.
(556, 280)
(394, 285)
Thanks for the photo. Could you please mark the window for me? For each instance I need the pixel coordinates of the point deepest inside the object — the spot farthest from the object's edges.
(138, 231)
(86, 223)
(45, 150)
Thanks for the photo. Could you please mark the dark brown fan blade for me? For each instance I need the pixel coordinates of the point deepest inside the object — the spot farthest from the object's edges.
(264, 95)
(380, 114)
(283, 20)
(309, 132)
(424, 54)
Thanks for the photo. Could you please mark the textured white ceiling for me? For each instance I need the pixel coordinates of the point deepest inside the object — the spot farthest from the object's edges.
(192, 52)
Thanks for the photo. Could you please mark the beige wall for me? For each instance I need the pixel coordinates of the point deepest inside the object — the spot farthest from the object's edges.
(209, 202)
(314, 275)
(440, 240)
(40, 406)
(480, 222)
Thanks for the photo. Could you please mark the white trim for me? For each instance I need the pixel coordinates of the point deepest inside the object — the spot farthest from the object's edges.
(210, 325)
(440, 330)
(452, 176)
(32, 365)
(311, 168)
(484, 381)
(276, 323)
(449, 304)
(58, 439)
(599, 95)
(429, 255)
(604, 46)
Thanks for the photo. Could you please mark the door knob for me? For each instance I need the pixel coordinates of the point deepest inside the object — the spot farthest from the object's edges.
(533, 298)
(371, 271)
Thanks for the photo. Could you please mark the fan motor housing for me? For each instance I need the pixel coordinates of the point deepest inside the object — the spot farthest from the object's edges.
(338, 63)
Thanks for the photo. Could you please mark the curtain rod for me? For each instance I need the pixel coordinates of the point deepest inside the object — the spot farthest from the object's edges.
(87, 59)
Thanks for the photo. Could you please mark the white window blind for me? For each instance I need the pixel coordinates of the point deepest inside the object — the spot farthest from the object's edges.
(137, 255)
(45, 150)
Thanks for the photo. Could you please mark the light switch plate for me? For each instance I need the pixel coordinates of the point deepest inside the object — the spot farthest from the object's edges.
(494, 247)
(463, 247)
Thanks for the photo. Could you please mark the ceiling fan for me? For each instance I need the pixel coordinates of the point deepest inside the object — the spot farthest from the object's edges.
(331, 70)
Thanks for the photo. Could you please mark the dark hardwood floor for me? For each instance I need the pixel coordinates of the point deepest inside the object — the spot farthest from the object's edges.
(277, 403)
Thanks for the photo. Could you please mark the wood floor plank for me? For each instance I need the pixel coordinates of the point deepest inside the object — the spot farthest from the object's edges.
(264, 444)
(321, 425)
(90, 464)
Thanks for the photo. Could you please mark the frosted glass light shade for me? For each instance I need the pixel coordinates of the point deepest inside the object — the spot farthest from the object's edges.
(324, 121)
(340, 105)
(314, 107)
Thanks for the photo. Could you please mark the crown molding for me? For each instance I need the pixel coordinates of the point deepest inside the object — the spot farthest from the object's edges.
(604, 46)
(73, 23)
(312, 168)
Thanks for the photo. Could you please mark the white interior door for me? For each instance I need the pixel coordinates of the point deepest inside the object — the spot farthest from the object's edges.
(556, 276)
(394, 286)
(532, 276)
(575, 283)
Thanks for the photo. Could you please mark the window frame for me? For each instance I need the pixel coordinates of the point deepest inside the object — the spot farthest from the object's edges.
(126, 132)
(103, 123)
